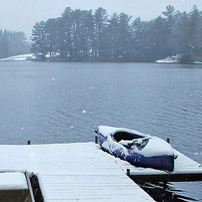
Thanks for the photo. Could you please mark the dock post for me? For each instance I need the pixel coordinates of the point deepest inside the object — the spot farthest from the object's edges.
(165, 184)
(96, 139)
(168, 140)
(28, 142)
(128, 172)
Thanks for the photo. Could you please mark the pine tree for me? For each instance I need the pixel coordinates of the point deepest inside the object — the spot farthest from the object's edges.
(68, 23)
(113, 37)
(39, 38)
(125, 37)
(100, 27)
(140, 40)
(80, 35)
(88, 34)
(169, 24)
(51, 32)
(195, 21)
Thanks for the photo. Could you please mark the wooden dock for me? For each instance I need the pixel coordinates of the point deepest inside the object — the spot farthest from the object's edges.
(73, 172)
(185, 170)
(83, 172)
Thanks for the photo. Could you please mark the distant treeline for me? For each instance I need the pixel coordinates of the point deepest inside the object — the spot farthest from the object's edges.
(13, 43)
(84, 35)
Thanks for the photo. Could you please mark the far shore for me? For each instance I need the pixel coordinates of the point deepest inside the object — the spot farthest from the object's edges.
(32, 57)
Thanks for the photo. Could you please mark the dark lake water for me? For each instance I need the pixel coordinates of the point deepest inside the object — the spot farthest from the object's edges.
(65, 102)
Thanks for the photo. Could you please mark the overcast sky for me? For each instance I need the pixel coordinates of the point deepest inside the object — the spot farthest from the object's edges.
(21, 15)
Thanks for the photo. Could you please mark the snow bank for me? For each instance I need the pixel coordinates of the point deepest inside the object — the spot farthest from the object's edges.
(22, 57)
(12, 181)
(169, 60)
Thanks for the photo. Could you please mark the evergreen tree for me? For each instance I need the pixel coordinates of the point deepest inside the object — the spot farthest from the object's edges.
(140, 40)
(39, 36)
(195, 21)
(113, 37)
(82, 25)
(5, 44)
(182, 37)
(13, 43)
(169, 24)
(100, 27)
(125, 37)
(60, 37)
(51, 36)
(158, 39)
(80, 35)
(88, 34)
(170, 14)
(68, 32)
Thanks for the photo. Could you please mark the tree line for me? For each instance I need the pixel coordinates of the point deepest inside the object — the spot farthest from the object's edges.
(13, 43)
(84, 35)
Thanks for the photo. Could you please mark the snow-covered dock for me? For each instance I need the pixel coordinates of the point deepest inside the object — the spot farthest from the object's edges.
(83, 172)
(72, 172)
(185, 169)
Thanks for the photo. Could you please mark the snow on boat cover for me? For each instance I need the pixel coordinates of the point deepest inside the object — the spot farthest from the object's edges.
(139, 149)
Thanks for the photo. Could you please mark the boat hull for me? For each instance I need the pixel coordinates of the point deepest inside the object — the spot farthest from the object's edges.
(161, 162)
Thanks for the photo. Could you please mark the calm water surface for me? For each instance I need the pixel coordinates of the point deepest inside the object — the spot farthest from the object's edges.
(65, 102)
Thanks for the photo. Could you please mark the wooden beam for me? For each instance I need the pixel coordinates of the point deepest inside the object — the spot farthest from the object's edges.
(29, 186)
(188, 177)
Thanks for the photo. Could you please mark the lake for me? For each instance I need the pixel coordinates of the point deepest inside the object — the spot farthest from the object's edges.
(65, 102)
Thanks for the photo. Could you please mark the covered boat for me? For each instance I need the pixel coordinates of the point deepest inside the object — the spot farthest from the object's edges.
(139, 149)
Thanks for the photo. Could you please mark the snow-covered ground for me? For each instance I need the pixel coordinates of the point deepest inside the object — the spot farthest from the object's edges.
(29, 56)
(169, 60)
(22, 57)
(174, 60)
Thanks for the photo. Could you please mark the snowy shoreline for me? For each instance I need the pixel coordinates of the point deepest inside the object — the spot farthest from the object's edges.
(23, 57)
(32, 57)
(175, 59)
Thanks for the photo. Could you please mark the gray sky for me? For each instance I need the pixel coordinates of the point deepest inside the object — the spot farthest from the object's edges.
(21, 15)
